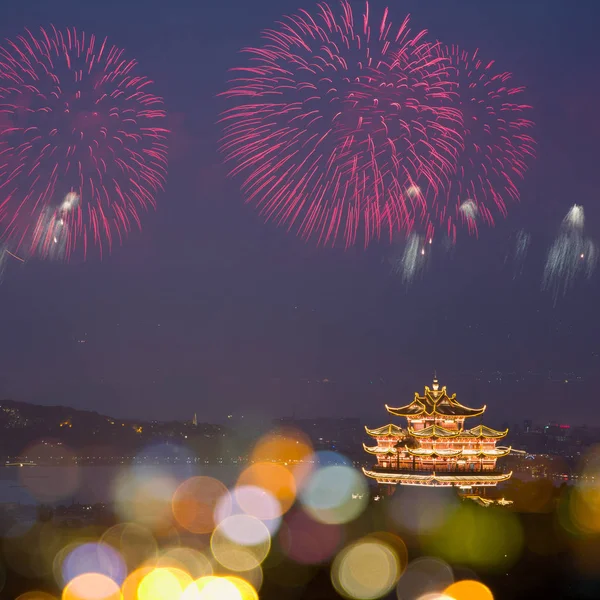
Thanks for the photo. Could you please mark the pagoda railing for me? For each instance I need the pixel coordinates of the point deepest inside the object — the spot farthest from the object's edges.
(453, 469)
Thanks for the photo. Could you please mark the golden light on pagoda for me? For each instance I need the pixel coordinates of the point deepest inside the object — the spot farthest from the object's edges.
(435, 448)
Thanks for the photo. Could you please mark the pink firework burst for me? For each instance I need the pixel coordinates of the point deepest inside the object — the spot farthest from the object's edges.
(83, 148)
(343, 126)
(497, 143)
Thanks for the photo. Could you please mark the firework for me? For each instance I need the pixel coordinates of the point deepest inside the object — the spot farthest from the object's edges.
(414, 257)
(518, 252)
(497, 144)
(571, 255)
(82, 143)
(343, 125)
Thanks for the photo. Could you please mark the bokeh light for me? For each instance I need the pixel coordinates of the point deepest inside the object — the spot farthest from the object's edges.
(245, 530)
(257, 502)
(220, 588)
(276, 479)
(285, 445)
(163, 584)
(129, 589)
(490, 538)
(143, 495)
(93, 558)
(36, 596)
(421, 510)
(424, 576)
(50, 483)
(190, 560)
(194, 503)
(366, 570)
(469, 590)
(335, 494)
(235, 556)
(92, 586)
(135, 543)
(307, 541)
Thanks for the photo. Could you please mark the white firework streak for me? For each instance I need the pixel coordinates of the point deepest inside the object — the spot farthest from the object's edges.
(571, 255)
(414, 258)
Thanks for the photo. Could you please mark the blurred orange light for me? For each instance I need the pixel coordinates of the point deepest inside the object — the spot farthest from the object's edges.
(275, 479)
(285, 446)
(194, 503)
(36, 596)
(91, 586)
(129, 589)
(468, 590)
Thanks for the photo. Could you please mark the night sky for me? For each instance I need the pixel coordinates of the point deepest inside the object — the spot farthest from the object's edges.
(210, 310)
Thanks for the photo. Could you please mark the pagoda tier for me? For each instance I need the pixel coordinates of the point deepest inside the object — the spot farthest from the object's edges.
(435, 407)
(435, 448)
(465, 480)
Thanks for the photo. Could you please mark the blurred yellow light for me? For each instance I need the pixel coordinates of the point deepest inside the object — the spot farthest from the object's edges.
(134, 542)
(194, 503)
(245, 588)
(216, 588)
(163, 584)
(189, 560)
(36, 596)
(143, 495)
(236, 556)
(275, 479)
(478, 537)
(365, 570)
(129, 589)
(468, 590)
(91, 586)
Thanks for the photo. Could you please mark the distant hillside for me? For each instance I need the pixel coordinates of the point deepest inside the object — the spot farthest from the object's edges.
(27, 427)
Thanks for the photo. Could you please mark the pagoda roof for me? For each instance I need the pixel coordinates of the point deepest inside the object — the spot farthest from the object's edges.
(492, 453)
(379, 450)
(483, 431)
(436, 402)
(438, 478)
(390, 430)
(435, 431)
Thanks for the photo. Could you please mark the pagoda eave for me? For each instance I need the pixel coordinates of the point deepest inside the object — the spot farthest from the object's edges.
(437, 479)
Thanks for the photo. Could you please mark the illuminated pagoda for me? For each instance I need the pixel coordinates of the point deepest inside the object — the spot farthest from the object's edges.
(435, 449)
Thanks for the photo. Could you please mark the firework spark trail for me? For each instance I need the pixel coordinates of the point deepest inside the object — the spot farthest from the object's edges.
(571, 255)
(497, 142)
(343, 125)
(414, 258)
(75, 118)
(518, 252)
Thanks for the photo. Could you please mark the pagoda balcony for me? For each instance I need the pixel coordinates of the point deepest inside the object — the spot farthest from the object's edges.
(440, 471)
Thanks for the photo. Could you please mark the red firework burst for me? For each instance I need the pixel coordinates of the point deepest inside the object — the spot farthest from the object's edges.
(82, 147)
(497, 145)
(340, 124)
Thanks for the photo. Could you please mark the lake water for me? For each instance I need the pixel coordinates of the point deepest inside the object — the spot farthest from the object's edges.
(92, 484)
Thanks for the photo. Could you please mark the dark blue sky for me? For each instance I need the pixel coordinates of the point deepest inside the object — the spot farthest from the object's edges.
(210, 310)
